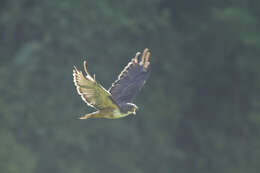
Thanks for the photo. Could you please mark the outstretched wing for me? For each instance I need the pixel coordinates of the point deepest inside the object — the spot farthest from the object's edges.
(92, 92)
(131, 79)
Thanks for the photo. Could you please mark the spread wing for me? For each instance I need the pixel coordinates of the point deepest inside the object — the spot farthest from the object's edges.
(91, 91)
(131, 79)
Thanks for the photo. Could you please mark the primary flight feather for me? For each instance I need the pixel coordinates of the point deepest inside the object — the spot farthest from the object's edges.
(117, 101)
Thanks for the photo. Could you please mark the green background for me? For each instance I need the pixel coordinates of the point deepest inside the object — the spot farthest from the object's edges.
(199, 112)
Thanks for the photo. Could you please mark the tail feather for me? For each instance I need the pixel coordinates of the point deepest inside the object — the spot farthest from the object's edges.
(96, 114)
(85, 116)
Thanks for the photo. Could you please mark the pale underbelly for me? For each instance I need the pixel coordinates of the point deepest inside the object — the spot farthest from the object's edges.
(117, 114)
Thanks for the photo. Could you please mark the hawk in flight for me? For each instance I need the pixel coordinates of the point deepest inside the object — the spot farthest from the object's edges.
(117, 101)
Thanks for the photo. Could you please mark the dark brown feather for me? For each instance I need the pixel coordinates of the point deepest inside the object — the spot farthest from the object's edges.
(131, 79)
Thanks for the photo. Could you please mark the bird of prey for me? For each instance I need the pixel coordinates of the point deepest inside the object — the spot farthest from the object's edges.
(117, 101)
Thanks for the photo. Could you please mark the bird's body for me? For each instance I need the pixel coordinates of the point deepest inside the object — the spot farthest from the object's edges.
(115, 102)
(109, 114)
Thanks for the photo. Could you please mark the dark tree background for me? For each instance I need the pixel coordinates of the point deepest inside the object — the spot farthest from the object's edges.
(199, 111)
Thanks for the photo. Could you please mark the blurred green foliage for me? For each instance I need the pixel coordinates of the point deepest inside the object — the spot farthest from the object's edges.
(199, 111)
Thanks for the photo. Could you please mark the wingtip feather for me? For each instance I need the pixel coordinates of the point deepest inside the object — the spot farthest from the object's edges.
(146, 50)
(85, 67)
(136, 57)
(147, 58)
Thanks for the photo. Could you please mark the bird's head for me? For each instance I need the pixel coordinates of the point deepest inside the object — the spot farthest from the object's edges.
(131, 108)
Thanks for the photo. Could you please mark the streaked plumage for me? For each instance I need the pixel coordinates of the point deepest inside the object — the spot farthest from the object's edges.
(117, 101)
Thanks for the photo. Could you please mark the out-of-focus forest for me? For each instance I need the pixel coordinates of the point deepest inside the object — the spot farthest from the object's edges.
(199, 111)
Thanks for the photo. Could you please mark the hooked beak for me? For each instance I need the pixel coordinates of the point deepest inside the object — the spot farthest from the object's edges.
(134, 112)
